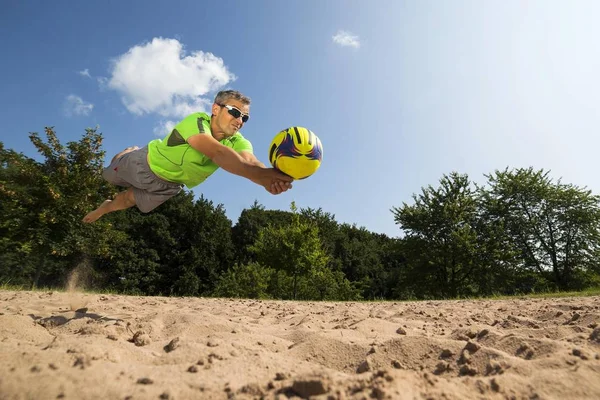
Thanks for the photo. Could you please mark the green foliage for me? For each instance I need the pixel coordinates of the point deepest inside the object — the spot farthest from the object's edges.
(553, 226)
(349, 249)
(43, 203)
(180, 248)
(520, 233)
(296, 262)
(321, 283)
(249, 224)
(328, 228)
(442, 237)
(294, 248)
(245, 281)
(359, 255)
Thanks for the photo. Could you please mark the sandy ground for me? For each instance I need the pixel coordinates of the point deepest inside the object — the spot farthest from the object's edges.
(71, 345)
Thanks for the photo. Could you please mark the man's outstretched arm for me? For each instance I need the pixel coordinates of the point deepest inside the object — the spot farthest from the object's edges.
(251, 159)
(272, 180)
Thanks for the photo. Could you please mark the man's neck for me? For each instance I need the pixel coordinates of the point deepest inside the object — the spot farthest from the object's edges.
(216, 133)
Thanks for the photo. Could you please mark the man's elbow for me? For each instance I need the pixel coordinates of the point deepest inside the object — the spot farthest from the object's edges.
(212, 152)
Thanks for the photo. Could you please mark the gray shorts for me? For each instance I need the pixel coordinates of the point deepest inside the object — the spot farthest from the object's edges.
(132, 170)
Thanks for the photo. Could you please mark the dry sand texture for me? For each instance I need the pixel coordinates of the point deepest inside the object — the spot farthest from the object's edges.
(126, 347)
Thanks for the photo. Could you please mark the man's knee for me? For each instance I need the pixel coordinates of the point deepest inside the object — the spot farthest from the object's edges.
(130, 198)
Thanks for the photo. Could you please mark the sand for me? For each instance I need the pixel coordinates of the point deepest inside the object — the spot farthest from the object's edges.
(72, 345)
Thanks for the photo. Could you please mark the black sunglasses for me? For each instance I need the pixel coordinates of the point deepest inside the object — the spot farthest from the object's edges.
(235, 113)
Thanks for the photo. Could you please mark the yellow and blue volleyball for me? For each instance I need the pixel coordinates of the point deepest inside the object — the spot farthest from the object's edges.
(297, 152)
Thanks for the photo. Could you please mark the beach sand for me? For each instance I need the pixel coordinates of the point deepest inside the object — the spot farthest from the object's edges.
(72, 345)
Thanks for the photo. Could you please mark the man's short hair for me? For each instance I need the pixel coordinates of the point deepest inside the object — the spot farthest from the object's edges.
(225, 95)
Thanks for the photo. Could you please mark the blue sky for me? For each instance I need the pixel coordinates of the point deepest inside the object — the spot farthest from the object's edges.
(399, 92)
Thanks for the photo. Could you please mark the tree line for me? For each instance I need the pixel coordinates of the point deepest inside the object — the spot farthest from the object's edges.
(520, 232)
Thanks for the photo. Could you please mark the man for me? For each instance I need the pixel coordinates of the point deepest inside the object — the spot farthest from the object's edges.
(195, 148)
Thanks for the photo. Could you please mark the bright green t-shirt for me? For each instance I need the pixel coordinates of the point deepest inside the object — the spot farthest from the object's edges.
(174, 160)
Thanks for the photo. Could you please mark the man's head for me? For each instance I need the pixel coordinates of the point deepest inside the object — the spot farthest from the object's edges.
(229, 112)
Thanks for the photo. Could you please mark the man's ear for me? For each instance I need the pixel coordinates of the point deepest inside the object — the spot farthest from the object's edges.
(215, 108)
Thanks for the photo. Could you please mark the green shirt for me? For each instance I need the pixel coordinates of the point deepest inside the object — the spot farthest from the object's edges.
(174, 160)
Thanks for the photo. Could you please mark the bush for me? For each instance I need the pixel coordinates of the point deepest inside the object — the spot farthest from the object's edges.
(244, 281)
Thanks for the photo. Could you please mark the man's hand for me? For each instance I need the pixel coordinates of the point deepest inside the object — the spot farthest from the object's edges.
(274, 181)
(278, 186)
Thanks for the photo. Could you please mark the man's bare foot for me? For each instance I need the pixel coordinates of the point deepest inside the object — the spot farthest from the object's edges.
(98, 212)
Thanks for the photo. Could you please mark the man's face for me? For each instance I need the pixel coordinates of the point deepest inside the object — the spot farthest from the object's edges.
(227, 123)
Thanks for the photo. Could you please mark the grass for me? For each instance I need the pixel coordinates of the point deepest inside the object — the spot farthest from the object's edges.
(23, 288)
(7, 286)
(583, 293)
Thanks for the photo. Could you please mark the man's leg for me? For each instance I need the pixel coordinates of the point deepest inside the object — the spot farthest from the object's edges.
(110, 173)
(121, 201)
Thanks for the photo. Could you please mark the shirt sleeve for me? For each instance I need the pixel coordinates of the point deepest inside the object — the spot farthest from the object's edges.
(192, 125)
(242, 144)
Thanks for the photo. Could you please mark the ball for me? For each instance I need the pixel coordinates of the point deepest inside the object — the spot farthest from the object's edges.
(296, 152)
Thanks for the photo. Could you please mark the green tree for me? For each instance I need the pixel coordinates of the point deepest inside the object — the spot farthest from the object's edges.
(44, 201)
(180, 248)
(441, 236)
(245, 232)
(323, 283)
(294, 248)
(553, 225)
(245, 281)
(359, 253)
(329, 228)
(354, 251)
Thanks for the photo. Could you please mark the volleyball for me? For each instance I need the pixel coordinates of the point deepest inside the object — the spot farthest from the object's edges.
(296, 152)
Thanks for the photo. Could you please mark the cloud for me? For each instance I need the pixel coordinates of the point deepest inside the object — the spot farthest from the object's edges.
(159, 77)
(74, 105)
(102, 83)
(163, 128)
(346, 39)
(85, 72)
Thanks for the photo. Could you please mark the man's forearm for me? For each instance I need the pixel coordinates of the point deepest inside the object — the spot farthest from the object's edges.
(258, 164)
(231, 161)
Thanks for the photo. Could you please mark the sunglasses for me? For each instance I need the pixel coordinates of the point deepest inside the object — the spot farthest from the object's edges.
(235, 113)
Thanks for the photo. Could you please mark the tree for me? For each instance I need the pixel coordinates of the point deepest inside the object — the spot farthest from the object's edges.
(294, 248)
(246, 230)
(245, 281)
(180, 248)
(553, 225)
(329, 229)
(441, 237)
(357, 253)
(45, 201)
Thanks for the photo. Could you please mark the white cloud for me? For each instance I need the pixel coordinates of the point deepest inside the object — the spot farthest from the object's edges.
(102, 83)
(85, 72)
(159, 77)
(163, 128)
(74, 105)
(346, 39)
